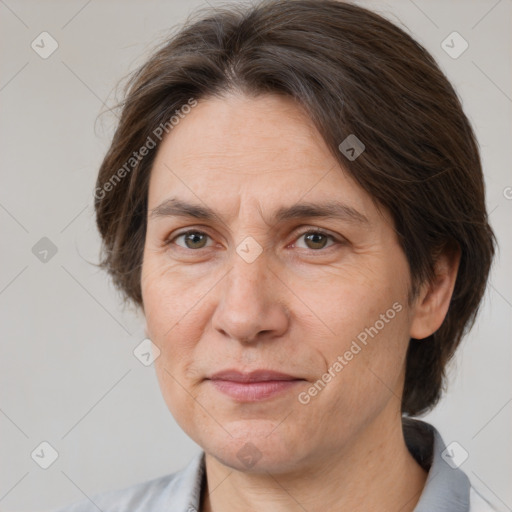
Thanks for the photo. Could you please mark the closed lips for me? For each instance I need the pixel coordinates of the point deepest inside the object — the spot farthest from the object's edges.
(254, 376)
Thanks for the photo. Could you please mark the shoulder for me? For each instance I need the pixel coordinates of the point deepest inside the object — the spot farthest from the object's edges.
(477, 503)
(448, 486)
(135, 498)
(182, 489)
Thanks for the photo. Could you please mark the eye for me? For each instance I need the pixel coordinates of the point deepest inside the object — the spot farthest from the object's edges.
(191, 239)
(316, 239)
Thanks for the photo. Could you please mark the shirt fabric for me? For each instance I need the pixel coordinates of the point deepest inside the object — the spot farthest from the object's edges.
(447, 488)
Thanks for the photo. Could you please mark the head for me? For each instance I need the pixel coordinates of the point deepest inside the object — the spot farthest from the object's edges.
(238, 131)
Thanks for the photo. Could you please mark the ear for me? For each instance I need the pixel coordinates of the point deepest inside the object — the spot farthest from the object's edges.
(431, 304)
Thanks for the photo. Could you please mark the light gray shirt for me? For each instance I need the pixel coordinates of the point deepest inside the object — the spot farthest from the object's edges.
(447, 488)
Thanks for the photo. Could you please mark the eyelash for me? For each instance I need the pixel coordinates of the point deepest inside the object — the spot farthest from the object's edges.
(305, 232)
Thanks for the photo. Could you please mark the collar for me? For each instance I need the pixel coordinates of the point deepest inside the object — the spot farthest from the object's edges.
(446, 489)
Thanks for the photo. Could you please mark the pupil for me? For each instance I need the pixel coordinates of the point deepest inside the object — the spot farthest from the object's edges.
(311, 237)
(193, 238)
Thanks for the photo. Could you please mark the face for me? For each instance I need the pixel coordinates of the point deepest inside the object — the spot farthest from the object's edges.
(257, 275)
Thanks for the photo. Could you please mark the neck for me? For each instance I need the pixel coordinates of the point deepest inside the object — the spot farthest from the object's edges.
(376, 473)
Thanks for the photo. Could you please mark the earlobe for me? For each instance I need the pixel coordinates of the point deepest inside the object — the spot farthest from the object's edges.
(434, 298)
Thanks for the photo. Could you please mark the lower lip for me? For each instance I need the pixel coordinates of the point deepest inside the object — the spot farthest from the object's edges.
(253, 391)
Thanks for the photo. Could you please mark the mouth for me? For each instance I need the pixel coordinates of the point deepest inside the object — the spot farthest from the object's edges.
(253, 386)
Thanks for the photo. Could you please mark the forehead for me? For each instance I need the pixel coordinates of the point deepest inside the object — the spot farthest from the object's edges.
(258, 150)
(236, 131)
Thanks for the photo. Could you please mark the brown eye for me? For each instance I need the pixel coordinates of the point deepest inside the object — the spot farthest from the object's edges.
(193, 239)
(315, 239)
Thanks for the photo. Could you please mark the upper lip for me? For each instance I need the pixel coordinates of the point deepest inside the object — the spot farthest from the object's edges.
(253, 376)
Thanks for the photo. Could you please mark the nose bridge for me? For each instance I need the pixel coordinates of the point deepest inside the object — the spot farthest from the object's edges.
(249, 260)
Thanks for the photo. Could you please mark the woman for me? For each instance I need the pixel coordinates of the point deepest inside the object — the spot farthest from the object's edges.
(294, 198)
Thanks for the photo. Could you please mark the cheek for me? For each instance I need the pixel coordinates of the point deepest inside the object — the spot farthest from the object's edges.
(173, 324)
(170, 296)
(350, 306)
(371, 362)
(177, 310)
(366, 348)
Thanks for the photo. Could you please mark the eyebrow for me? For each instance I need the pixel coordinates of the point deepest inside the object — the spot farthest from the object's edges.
(174, 207)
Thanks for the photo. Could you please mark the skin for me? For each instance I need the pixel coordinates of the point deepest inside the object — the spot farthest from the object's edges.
(294, 309)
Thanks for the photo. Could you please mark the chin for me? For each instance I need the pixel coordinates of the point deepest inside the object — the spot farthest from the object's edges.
(255, 447)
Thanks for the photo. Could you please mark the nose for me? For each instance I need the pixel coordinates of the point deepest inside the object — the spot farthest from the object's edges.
(252, 305)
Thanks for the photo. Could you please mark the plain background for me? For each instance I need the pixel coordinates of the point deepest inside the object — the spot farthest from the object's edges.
(68, 374)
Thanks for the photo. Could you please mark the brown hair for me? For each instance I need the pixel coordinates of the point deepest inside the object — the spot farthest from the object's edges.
(355, 73)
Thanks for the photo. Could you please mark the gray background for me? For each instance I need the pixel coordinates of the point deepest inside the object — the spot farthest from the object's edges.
(68, 374)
